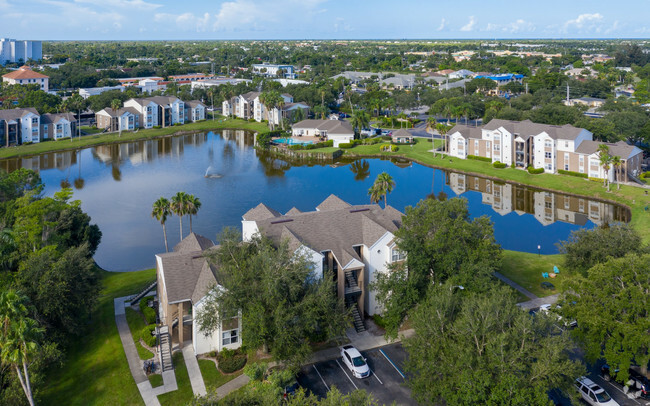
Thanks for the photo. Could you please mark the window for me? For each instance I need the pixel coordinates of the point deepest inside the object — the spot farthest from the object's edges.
(566, 167)
(34, 121)
(397, 255)
(548, 155)
(548, 144)
(229, 337)
(549, 167)
(497, 147)
(461, 145)
(566, 144)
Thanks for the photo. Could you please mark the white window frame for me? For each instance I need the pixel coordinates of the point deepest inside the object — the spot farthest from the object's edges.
(229, 337)
(397, 255)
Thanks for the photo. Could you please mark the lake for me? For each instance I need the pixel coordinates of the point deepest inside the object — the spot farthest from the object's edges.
(118, 183)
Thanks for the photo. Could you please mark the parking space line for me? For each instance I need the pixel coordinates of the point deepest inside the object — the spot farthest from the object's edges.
(346, 374)
(392, 363)
(321, 378)
(618, 389)
(375, 375)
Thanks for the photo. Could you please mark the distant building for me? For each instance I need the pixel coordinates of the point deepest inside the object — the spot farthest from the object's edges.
(335, 130)
(204, 84)
(17, 51)
(26, 76)
(267, 69)
(20, 126)
(94, 91)
(503, 79)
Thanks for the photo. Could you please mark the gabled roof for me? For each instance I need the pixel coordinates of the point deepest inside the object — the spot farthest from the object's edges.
(260, 212)
(332, 127)
(335, 226)
(527, 129)
(54, 118)
(13, 114)
(24, 72)
(620, 149)
(117, 113)
(193, 242)
(293, 211)
(401, 133)
(466, 131)
(250, 96)
(194, 103)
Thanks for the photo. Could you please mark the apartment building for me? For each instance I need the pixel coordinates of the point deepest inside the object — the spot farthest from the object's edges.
(26, 76)
(249, 106)
(552, 147)
(273, 70)
(124, 119)
(15, 51)
(26, 125)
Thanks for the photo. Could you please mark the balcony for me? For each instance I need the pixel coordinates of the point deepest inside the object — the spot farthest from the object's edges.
(351, 286)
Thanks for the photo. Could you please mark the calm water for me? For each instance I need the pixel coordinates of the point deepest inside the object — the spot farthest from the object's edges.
(118, 183)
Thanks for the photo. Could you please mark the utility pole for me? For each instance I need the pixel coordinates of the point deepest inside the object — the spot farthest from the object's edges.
(567, 93)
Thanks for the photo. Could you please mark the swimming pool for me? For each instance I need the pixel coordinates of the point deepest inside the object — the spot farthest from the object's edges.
(291, 141)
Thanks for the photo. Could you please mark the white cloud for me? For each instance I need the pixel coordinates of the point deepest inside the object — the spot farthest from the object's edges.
(443, 23)
(470, 25)
(515, 27)
(584, 23)
(127, 4)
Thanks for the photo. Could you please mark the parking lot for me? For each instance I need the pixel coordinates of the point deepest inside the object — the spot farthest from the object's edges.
(386, 382)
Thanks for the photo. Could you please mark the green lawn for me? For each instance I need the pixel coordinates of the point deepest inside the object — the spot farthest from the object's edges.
(156, 380)
(184, 394)
(526, 270)
(212, 377)
(90, 130)
(95, 370)
(136, 322)
(98, 139)
(144, 353)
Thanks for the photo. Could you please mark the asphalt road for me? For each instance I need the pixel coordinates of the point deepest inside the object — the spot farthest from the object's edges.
(386, 383)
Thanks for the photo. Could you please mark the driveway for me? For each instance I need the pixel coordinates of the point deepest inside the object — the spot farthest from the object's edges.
(387, 382)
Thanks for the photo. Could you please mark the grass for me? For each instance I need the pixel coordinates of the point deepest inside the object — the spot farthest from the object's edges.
(99, 139)
(143, 352)
(212, 377)
(526, 270)
(156, 380)
(184, 394)
(96, 371)
(90, 130)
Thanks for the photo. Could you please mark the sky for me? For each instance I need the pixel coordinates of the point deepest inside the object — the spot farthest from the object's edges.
(321, 19)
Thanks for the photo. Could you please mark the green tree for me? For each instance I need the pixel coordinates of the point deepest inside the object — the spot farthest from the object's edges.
(193, 206)
(283, 305)
(75, 103)
(443, 129)
(605, 161)
(586, 248)
(617, 164)
(361, 169)
(483, 341)
(116, 104)
(298, 115)
(179, 206)
(359, 120)
(441, 243)
(383, 185)
(161, 209)
(19, 338)
(618, 330)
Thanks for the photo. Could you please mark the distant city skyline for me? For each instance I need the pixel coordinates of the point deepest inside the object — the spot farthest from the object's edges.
(320, 19)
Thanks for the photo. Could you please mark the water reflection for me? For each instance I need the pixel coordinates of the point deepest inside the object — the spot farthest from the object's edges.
(547, 207)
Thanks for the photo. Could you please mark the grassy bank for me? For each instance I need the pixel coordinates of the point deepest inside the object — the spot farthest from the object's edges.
(99, 139)
(96, 371)
(526, 269)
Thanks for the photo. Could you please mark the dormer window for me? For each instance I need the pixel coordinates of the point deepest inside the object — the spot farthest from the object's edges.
(397, 255)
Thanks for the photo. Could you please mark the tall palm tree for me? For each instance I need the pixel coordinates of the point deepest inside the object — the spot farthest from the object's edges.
(161, 209)
(618, 164)
(298, 115)
(443, 130)
(116, 104)
(605, 161)
(179, 207)
(19, 337)
(193, 206)
(359, 120)
(383, 185)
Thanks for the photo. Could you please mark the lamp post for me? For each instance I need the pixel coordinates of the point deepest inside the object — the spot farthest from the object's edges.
(539, 250)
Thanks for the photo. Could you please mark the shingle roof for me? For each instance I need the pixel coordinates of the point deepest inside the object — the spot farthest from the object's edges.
(401, 133)
(293, 211)
(117, 113)
(260, 212)
(49, 118)
(194, 103)
(336, 226)
(466, 131)
(13, 114)
(331, 126)
(193, 242)
(24, 72)
(527, 129)
(620, 149)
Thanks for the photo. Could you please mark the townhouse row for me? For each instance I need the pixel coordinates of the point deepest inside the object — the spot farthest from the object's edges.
(551, 147)
(21, 126)
(150, 112)
(249, 106)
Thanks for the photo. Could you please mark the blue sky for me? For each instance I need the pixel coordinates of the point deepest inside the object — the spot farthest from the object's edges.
(321, 19)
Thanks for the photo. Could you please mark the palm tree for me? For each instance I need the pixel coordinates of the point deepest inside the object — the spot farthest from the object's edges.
(618, 164)
(179, 207)
(605, 161)
(19, 337)
(359, 120)
(361, 169)
(443, 130)
(193, 206)
(161, 209)
(298, 115)
(72, 104)
(116, 104)
(381, 188)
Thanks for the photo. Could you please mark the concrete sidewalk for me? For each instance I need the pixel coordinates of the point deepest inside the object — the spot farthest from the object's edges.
(521, 289)
(193, 370)
(232, 386)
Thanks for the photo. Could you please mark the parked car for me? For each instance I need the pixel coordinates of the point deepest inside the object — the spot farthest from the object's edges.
(637, 383)
(546, 308)
(290, 389)
(594, 394)
(355, 362)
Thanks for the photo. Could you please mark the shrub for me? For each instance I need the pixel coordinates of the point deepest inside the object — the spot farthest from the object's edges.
(389, 148)
(479, 158)
(213, 354)
(512, 165)
(534, 171)
(144, 302)
(230, 360)
(386, 137)
(147, 337)
(346, 145)
(571, 173)
(499, 165)
(256, 371)
(149, 315)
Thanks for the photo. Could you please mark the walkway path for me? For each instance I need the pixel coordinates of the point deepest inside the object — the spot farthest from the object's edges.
(536, 303)
(524, 291)
(135, 365)
(193, 370)
(232, 386)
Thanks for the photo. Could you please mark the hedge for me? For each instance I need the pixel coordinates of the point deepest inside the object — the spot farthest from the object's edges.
(147, 337)
(388, 148)
(535, 171)
(148, 312)
(499, 165)
(231, 361)
(571, 173)
(479, 158)
(325, 144)
(346, 145)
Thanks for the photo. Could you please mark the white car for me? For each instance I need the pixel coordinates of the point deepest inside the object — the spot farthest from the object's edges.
(355, 362)
(546, 308)
(593, 394)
